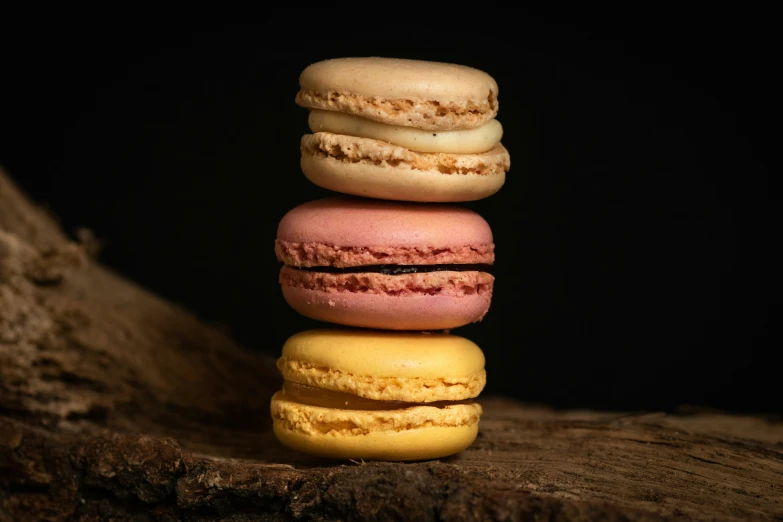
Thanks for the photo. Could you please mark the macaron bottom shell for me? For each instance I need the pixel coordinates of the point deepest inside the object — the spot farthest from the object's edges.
(389, 312)
(419, 444)
(357, 434)
(390, 180)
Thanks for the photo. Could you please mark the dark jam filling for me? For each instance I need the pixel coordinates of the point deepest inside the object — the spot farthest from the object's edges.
(399, 269)
(305, 394)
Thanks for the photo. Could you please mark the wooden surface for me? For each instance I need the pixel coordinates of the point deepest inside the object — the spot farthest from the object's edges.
(116, 405)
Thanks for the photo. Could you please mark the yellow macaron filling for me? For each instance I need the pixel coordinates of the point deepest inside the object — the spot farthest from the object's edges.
(462, 141)
(312, 396)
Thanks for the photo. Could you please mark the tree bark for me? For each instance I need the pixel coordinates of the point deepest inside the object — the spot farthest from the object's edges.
(116, 405)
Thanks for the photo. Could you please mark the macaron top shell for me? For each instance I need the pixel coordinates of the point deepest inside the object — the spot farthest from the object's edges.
(399, 78)
(357, 222)
(386, 366)
(416, 93)
(387, 354)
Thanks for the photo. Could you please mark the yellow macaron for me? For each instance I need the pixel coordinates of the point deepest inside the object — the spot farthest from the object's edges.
(377, 395)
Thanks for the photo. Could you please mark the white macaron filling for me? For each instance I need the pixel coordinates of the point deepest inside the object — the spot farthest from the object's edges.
(462, 141)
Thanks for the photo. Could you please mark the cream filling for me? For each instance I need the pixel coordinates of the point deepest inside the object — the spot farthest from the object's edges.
(462, 141)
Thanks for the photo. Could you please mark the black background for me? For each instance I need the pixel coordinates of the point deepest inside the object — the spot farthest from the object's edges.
(634, 234)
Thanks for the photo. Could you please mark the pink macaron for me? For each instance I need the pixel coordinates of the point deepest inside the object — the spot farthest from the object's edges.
(386, 265)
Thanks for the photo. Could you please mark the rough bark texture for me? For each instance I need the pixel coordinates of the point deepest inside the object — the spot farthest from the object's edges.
(116, 405)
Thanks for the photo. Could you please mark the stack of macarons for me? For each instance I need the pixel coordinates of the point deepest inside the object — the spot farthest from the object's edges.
(391, 260)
